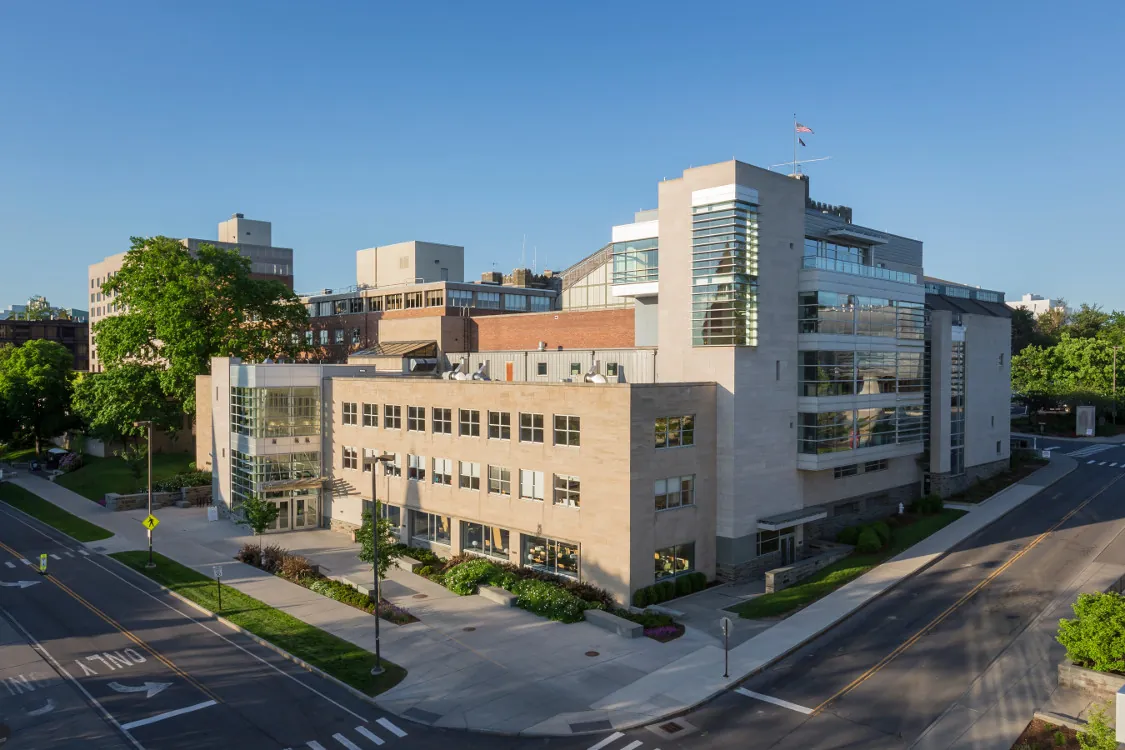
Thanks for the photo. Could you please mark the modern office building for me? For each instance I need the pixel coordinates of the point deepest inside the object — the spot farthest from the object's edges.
(766, 372)
(252, 239)
(1037, 304)
(73, 334)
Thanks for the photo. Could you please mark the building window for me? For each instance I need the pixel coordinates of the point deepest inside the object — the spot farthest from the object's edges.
(469, 420)
(531, 485)
(434, 298)
(392, 417)
(416, 419)
(675, 492)
(349, 413)
(338, 336)
(770, 541)
(541, 369)
(351, 458)
(575, 369)
(635, 261)
(370, 415)
(308, 337)
(611, 369)
(870, 466)
(515, 302)
(567, 430)
(393, 468)
(844, 509)
(539, 303)
(443, 471)
(392, 513)
(413, 300)
(499, 425)
(479, 539)
(550, 555)
(488, 300)
(567, 490)
(675, 560)
(416, 467)
(845, 471)
(468, 475)
(355, 337)
(674, 432)
(443, 421)
(324, 337)
(531, 428)
(374, 304)
(724, 268)
(499, 480)
(460, 298)
(393, 301)
(369, 454)
(430, 527)
(997, 447)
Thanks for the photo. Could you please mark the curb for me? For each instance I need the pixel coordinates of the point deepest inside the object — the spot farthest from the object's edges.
(765, 665)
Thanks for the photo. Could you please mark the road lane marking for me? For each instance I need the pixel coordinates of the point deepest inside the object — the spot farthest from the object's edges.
(633, 745)
(315, 745)
(1102, 463)
(774, 701)
(70, 554)
(62, 671)
(1112, 465)
(345, 741)
(10, 564)
(55, 557)
(390, 727)
(369, 735)
(84, 553)
(1053, 448)
(168, 715)
(958, 604)
(1090, 462)
(610, 739)
(25, 561)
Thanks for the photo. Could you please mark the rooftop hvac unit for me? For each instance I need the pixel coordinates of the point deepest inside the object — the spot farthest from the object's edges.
(542, 346)
(593, 376)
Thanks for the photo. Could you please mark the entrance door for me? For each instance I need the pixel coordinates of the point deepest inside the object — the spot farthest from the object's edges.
(304, 511)
(788, 549)
(282, 523)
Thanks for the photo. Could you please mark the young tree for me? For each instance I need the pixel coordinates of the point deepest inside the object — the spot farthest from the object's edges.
(1053, 322)
(111, 402)
(35, 388)
(388, 542)
(180, 309)
(136, 458)
(259, 515)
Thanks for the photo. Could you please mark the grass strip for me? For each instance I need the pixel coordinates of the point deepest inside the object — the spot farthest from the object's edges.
(51, 514)
(98, 476)
(343, 660)
(837, 574)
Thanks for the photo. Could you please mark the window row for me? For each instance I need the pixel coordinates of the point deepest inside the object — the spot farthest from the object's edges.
(848, 373)
(833, 431)
(514, 301)
(852, 470)
(567, 428)
(851, 315)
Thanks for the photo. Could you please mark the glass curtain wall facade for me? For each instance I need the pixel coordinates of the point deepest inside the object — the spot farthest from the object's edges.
(275, 412)
(248, 473)
(635, 261)
(724, 271)
(957, 409)
(847, 373)
(853, 315)
(835, 431)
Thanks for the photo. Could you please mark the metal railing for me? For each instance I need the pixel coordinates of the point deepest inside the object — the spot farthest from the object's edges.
(858, 269)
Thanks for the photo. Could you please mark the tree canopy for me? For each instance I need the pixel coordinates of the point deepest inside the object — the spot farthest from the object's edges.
(178, 310)
(35, 389)
(110, 402)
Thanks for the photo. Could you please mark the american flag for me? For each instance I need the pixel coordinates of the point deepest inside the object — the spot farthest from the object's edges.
(803, 129)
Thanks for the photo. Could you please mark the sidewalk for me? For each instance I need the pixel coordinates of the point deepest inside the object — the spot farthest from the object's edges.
(475, 665)
(1045, 439)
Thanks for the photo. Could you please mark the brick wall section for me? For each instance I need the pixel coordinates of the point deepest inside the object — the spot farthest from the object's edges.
(578, 329)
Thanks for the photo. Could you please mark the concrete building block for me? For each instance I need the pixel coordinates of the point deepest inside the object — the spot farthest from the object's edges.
(496, 594)
(182, 504)
(409, 564)
(614, 624)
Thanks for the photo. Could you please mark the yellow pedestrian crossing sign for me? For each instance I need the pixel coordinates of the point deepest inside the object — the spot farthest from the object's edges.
(150, 522)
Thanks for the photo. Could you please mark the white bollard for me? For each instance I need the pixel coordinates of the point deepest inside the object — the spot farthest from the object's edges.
(900, 509)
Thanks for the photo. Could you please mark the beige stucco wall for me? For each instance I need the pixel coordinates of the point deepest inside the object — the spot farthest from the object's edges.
(988, 388)
(204, 429)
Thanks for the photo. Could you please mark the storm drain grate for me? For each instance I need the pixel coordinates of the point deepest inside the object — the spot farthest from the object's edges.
(421, 596)
(670, 729)
(592, 653)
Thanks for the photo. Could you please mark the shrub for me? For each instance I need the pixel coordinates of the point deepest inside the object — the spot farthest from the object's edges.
(550, 601)
(271, 558)
(883, 531)
(505, 579)
(848, 535)
(639, 598)
(683, 586)
(1095, 638)
(868, 542)
(183, 479)
(295, 567)
(424, 556)
(667, 590)
(1099, 735)
(250, 554)
(70, 462)
(698, 581)
(647, 619)
(462, 579)
(589, 592)
(425, 571)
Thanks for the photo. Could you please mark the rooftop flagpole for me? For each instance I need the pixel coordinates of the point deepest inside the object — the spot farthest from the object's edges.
(794, 143)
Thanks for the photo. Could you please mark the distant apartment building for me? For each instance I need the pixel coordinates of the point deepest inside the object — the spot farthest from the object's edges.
(73, 334)
(252, 239)
(1036, 304)
(736, 374)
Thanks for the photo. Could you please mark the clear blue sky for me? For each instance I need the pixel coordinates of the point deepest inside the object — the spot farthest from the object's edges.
(992, 134)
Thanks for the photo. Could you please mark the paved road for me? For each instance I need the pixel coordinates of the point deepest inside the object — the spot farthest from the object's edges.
(881, 677)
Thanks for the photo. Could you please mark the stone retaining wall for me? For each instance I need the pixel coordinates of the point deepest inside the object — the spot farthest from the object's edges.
(782, 578)
(139, 500)
(1099, 685)
(946, 484)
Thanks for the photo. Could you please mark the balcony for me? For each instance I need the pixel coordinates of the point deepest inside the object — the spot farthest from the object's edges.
(858, 269)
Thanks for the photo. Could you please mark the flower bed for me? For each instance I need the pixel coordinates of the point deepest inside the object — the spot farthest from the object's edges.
(658, 626)
(296, 569)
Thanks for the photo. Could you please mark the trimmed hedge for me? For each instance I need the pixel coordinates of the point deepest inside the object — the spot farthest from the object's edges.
(869, 542)
(662, 591)
(927, 504)
(1095, 638)
(883, 531)
(183, 479)
(848, 535)
(464, 578)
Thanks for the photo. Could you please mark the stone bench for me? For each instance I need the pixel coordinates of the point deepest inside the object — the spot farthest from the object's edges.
(503, 597)
(614, 624)
(409, 564)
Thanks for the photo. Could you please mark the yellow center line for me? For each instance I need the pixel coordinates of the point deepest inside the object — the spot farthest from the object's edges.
(959, 603)
(121, 628)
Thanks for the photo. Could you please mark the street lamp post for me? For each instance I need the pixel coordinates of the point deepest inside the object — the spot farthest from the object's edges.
(373, 463)
(148, 423)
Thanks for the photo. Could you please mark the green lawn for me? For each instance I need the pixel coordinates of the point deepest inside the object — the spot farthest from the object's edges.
(19, 454)
(836, 575)
(52, 515)
(337, 657)
(101, 475)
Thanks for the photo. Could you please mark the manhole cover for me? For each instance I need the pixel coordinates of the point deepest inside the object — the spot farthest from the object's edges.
(671, 727)
(592, 653)
(469, 629)
(420, 596)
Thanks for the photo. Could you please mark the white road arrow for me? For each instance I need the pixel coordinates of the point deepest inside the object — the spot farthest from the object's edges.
(46, 708)
(149, 688)
(18, 584)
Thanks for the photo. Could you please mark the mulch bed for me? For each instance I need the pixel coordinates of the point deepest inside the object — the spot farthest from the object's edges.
(1040, 735)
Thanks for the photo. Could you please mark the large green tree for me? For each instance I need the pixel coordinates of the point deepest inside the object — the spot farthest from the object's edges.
(110, 402)
(1073, 371)
(1087, 322)
(179, 309)
(35, 389)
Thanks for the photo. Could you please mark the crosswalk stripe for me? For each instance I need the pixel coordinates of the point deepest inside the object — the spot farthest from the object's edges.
(315, 745)
(390, 727)
(633, 745)
(25, 561)
(1091, 462)
(774, 701)
(70, 554)
(10, 564)
(345, 741)
(610, 739)
(55, 557)
(1102, 463)
(84, 553)
(369, 735)
(1112, 465)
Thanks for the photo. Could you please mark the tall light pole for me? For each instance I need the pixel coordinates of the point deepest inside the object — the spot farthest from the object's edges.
(148, 423)
(373, 462)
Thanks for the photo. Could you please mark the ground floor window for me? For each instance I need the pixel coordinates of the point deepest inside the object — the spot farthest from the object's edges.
(484, 540)
(392, 513)
(550, 555)
(430, 527)
(675, 560)
(771, 541)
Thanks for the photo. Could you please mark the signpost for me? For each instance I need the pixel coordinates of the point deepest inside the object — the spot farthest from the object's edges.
(727, 626)
(150, 523)
(218, 569)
